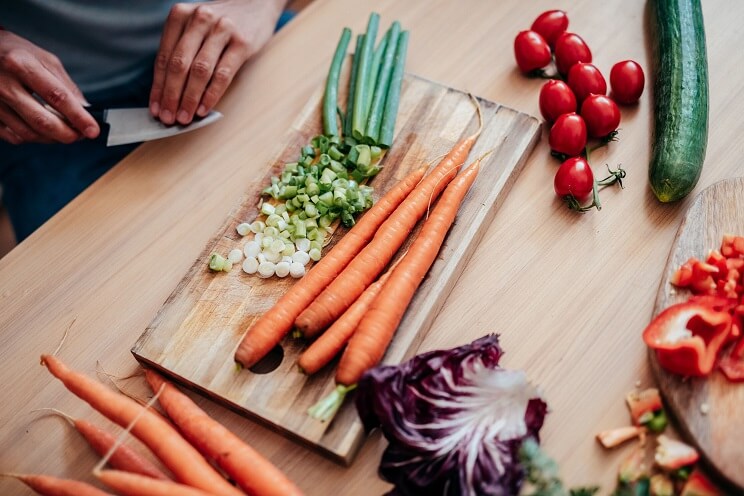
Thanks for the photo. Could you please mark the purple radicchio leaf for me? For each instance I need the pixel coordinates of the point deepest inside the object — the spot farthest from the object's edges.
(454, 420)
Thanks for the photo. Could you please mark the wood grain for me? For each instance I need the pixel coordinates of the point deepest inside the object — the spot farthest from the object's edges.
(718, 434)
(195, 334)
(570, 294)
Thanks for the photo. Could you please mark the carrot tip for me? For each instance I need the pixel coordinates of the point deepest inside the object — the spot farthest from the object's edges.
(325, 409)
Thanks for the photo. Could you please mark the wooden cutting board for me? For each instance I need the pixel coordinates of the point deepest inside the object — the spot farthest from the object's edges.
(194, 336)
(719, 434)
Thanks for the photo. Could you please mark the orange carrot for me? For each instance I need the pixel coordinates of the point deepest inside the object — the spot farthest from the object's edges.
(163, 440)
(252, 472)
(129, 484)
(329, 344)
(371, 339)
(124, 458)
(273, 325)
(376, 329)
(391, 235)
(47, 485)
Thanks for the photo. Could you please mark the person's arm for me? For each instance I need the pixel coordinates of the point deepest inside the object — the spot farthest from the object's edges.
(29, 74)
(202, 48)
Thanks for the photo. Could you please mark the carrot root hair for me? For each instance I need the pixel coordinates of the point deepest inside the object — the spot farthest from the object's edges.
(59, 413)
(62, 341)
(120, 440)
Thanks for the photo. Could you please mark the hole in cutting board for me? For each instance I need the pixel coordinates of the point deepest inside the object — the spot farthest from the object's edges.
(270, 362)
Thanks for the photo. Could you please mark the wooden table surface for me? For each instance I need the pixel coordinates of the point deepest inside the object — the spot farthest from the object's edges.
(570, 294)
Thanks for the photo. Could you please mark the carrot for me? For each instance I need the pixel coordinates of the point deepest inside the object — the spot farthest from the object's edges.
(273, 325)
(329, 344)
(157, 434)
(391, 235)
(129, 484)
(376, 329)
(123, 458)
(47, 485)
(252, 472)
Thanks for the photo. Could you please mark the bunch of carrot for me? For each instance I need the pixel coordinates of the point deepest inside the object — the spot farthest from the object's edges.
(185, 443)
(343, 290)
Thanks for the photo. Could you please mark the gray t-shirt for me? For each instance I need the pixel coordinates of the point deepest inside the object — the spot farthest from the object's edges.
(101, 43)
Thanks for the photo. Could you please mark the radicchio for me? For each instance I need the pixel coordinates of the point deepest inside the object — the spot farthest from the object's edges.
(454, 420)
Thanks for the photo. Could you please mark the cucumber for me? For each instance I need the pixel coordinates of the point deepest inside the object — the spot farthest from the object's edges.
(680, 99)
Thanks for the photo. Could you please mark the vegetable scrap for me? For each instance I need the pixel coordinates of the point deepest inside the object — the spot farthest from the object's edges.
(695, 337)
(669, 470)
(455, 420)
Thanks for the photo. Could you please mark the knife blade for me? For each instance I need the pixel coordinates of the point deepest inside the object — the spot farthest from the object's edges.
(133, 125)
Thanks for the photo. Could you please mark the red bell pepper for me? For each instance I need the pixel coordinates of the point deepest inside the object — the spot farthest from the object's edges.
(699, 485)
(731, 362)
(672, 454)
(687, 337)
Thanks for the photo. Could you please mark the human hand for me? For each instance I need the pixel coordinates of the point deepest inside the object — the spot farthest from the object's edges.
(202, 48)
(25, 70)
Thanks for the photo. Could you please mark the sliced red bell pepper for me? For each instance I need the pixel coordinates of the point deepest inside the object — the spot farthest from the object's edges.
(617, 436)
(672, 454)
(732, 246)
(687, 337)
(683, 276)
(643, 404)
(699, 485)
(731, 361)
(718, 261)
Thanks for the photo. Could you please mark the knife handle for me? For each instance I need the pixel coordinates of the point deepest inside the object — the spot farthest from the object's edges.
(97, 113)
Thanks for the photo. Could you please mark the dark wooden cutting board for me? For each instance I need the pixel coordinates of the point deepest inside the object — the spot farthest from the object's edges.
(719, 433)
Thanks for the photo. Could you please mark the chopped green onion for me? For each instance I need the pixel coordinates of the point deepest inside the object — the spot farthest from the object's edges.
(258, 227)
(216, 262)
(271, 231)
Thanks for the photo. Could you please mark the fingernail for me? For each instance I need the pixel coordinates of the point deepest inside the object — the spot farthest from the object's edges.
(91, 132)
(167, 116)
(202, 111)
(183, 117)
(155, 108)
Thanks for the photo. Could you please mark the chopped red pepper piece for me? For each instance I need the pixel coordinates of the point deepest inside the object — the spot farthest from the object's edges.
(687, 337)
(616, 437)
(699, 485)
(672, 454)
(643, 404)
(718, 261)
(683, 277)
(731, 362)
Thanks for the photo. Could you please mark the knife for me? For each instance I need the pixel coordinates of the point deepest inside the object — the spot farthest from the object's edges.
(133, 125)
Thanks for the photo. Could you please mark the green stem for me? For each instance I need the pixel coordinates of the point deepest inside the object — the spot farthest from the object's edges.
(375, 70)
(352, 84)
(325, 409)
(374, 119)
(392, 99)
(330, 98)
(359, 118)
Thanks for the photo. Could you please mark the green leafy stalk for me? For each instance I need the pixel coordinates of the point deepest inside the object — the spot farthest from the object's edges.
(359, 118)
(392, 99)
(330, 97)
(325, 409)
(375, 70)
(374, 119)
(352, 84)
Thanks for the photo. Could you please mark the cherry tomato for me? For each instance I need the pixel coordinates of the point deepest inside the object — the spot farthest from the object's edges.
(585, 79)
(531, 51)
(550, 25)
(556, 99)
(568, 135)
(601, 114)
(574, 177)
(627, 80)
(570, 48)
